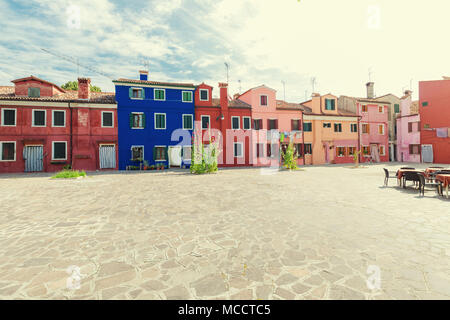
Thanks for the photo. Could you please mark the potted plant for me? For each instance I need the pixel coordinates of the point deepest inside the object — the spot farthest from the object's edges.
(145, 165)
(163, 166)
(152, 167)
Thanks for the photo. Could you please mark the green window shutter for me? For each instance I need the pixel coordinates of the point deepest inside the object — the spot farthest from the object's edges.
(154, 153)
(131, 120)
(143, 93)
(396, 108)
(333, 104)
(143, 120)
(130, 92)
(166, 153)
(425, 104)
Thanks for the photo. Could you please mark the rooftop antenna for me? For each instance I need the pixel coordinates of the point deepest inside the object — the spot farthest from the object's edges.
(370, 74)
(228, 67)
(313, 83)
(239, 86)
(284, 90)
(146, 64)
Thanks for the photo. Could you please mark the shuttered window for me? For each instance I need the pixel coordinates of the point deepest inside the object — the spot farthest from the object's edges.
(307, 126)
(59, 151)
(308, 148)
(7, 151)
(204, 95)
(246, 123)
(187, 96)
(235, 123)
(39, 118)
(354, 127)
(337, 127)
(34, 92)
(107, 119)
(137, 120)
(272, 124)
(8, 117)
(340, 151)
(187, 122)
(160, 120)
(137, 153)
(205, 122)
(257, 124)
(330, 104)
(160, 94)
(295, 125)
(396, 108)
(160, 153)
(59, 118)
(263, 100)
(136, 93)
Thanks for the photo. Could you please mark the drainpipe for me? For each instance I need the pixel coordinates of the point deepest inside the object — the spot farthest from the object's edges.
(71, 138)
(303, 140)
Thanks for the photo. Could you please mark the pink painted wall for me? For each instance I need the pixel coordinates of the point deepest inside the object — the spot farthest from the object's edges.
(374, 118)
(404, 137)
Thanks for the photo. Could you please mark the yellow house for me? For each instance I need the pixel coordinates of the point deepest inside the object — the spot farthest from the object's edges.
(330, 135)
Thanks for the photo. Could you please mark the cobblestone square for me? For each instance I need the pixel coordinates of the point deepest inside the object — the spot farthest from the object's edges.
(317, 233)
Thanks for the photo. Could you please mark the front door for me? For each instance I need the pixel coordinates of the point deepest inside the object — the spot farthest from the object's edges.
(427, 153)
(34, 158)
(107, 156)
(375, 152)
(175, 156)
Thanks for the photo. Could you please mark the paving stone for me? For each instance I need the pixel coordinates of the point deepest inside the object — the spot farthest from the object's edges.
(210, 285)
(177, 293)
(343, 293)
(246, 294)
(284, 294)
(286, 278)
(300, 288)
(114, 267)
(153, 285)
(264, 292)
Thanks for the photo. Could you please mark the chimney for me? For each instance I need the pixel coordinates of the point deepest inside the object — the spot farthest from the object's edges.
(223, 96)
(143, 75)
(315, 103)
(408, 92)
(84, 88)
(236, 95)
(370, 90)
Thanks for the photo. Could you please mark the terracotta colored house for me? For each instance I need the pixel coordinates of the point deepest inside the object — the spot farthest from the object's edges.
(373, 125)
(275, 124)
(44, 128)
(434, 110)
(227, 119)
(408, 131)
(331, 134)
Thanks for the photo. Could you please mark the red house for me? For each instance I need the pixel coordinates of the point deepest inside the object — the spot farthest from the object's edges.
(44, 128)
(226, 119)
(434, 110)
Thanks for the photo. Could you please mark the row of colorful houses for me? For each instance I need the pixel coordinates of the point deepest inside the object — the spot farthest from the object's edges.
(46, 128)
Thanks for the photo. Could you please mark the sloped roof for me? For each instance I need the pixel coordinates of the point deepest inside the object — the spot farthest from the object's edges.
(281, 104)
(366, 99)
(157, 83)
(37, 79)
(234, 103)
(7, 93)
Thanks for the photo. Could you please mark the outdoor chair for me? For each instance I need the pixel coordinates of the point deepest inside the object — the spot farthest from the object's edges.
(436, 167)
(388, 175)
(423, 184)
(407, 168)
(411, 176)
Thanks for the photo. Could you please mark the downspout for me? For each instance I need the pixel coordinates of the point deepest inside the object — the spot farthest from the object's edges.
(303, 140)
(71, 137)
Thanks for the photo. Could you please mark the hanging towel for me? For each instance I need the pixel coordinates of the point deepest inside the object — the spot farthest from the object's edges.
(442, 132)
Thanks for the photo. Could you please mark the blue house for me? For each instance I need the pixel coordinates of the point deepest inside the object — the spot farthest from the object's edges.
(155, 122)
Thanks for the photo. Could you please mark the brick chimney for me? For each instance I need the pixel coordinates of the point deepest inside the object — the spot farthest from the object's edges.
(370, 90)
(143, 75)
(408, 92)
(223, 96)
(84, 88)
(315, 103)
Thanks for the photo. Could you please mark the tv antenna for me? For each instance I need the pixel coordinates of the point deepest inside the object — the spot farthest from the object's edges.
(239, 86)
(228, 67)
(370, 74)
(313, 83)
(146, 64)
(284, 90)
(76, 62)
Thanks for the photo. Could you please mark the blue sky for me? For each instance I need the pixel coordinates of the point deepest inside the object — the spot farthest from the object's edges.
(264, 42)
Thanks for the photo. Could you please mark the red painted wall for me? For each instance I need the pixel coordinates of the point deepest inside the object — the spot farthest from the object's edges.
(435, 115)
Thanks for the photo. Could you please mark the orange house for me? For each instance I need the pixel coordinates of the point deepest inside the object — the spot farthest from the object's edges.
(330, 135)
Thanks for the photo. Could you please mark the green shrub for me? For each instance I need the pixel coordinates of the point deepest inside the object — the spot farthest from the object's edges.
(201, 161)
(289, 157)
(66, 174)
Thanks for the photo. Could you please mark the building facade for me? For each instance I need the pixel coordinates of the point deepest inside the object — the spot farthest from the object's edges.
(393, 112)
(331, 134)
(408, 132)
(434, 111)
(155, 122)
(45, 128)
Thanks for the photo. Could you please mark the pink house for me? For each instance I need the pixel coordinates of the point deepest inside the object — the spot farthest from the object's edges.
(408, 132)
(275, 123)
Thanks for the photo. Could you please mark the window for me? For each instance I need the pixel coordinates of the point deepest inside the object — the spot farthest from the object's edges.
(382, 151)
(187, 151)
(366, 150)
(187, 96)
(107, 119)
(188, 122)
(39, 118)
(364, 108)
(59, 118)
(354, 127)
(263, 100)
(246, 123)
(160, 121)
(34, 92)
(414, 149)
(238, 152)
(137, 153)
(235, 123)
(380, 109)
(205, 122)
(136, 93)
(365, 128)
(295, 125)
(160, 153)
(425, 104)
(204, 94)
(338, 127)
(381, 129)
(9, 117)
(307, 126)
(272, 124)
(340, 151)
(59, 150)
(260, 150)
(330, 104)
(8, 151)
(257, 124)
(298, 149)
(351, 151)
(396, 108)
(327, 124)
(308, 148)
(137, 120)
(160, 94)
(272, 150)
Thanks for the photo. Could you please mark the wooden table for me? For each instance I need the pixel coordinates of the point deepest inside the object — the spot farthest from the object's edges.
(400, 173)
(445, 179)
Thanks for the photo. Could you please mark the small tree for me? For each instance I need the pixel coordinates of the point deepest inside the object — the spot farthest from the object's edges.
(203, 161)
(356, 158)
(73, 85)
(290, 158)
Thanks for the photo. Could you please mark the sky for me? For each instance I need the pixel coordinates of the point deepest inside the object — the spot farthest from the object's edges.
(339, 43)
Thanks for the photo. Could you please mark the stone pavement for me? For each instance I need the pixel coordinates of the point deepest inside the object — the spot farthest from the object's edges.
(238, 234)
